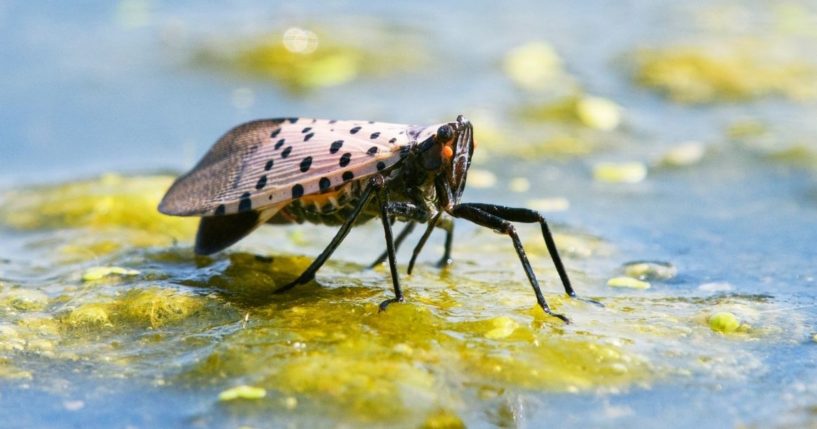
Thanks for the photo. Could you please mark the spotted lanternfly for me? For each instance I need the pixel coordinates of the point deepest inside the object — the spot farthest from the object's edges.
(343, 173)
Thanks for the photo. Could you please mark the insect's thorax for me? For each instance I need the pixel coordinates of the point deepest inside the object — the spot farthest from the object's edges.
(404, 184)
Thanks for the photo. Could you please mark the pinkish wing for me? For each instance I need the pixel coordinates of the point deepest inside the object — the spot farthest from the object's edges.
(267, 163)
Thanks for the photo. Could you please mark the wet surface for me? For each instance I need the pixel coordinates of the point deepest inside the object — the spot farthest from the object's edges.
(671, 147)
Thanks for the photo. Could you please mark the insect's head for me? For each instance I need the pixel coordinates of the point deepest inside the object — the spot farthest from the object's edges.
(449, 152)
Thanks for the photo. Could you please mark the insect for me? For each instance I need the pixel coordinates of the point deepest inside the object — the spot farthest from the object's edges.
(344, 173)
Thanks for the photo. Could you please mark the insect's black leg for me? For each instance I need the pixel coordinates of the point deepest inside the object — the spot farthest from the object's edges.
(375, 183)
(390, 250)
(483, 218)
(397, 242)
(448, 227)
(422, 242)
(514, 214)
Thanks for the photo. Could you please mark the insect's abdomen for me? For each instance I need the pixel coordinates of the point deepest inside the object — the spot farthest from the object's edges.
(330, 208)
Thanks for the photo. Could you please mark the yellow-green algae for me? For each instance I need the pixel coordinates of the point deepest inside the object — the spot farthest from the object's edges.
(731, 72)
(300, 59)
(590, 111)
(724, 321)
(98, 273)
(466, 337)
(242, 392)
(113, 212)
(627, 282)
(620, 172)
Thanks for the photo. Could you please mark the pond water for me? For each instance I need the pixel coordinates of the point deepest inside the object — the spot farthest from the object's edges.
(681, 134)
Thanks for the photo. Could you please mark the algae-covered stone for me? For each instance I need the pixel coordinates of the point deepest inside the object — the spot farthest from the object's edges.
(590, 111)
(599, 113)
(9, 371)
(619, 172)
(683, 155)
(10, 339)
(443, 419)
(242, 392)
(97, 273)
(23, 299)
(89, 315)
(501, 327)
(534, 65)
(301, 59)
(156, 307)
(109, 206)
(724, 322)
(723, 73)
(650, 270)
(627, 282)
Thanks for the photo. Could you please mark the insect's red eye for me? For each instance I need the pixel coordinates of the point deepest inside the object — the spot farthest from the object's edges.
(447, 153)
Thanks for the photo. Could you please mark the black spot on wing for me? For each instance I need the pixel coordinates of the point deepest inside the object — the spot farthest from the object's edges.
(308, 136)
(354, 130)
(381, 165)
(297, 191)
(335, 146)
(245, 204)
(286, 152)
(306, 130)
(275, 133)
(348, 175)
(305, 164)
(372, 151)
(324, 183)
(279, 143)
(262, 181)
(268, 166)
(374, 135)
(345, 159)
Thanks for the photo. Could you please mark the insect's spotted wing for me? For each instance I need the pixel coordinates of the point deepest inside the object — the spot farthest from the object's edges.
(265, 164)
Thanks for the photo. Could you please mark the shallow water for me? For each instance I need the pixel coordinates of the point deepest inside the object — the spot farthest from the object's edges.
(108, 319)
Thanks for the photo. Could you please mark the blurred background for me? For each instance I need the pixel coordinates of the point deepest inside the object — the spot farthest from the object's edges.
(683, 134)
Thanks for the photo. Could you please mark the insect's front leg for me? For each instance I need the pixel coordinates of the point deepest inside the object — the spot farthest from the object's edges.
(383, 200)
(375, 184)
(518, 214)
(397, 242)
(476, 214)
(411, 211)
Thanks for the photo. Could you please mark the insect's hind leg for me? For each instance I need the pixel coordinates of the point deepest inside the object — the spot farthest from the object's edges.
(375, 183)
(475, 214)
